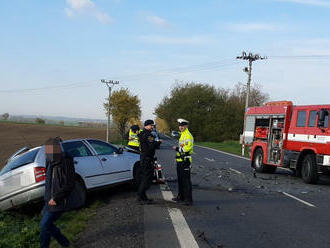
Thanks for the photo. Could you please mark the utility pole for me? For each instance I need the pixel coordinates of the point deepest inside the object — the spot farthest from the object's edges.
(251, 58)
(109, 83)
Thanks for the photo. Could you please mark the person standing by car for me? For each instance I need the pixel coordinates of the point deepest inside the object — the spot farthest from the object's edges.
(147, 153)
(133, 139)
(183, 163)
(59, 186)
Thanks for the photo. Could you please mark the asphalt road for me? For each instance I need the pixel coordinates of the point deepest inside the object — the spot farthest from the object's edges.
(232, 208)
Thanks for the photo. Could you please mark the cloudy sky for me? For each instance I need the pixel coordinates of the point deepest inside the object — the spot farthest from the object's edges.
(54, 53)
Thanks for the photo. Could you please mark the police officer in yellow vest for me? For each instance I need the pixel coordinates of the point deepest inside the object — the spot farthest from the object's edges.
(133, 139)
(183, 160)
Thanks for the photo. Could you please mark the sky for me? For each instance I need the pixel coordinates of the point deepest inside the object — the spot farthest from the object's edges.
(53, 54)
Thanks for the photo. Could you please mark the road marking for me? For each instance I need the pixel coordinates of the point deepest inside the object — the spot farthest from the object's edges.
(227, 153)
(210, 159)
(296, 198)
(286, 169)
(182, 230)
(235, 170)
(237, 156)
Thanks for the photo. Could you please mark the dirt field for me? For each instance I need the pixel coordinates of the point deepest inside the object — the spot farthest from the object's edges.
(14, 136)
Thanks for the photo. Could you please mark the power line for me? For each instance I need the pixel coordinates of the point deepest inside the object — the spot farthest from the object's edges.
(177, 70)
(216, 65)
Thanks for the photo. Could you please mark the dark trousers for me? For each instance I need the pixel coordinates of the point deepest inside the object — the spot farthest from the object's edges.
(146, 174)
(48, 229)
(184, 181)
(136, 148)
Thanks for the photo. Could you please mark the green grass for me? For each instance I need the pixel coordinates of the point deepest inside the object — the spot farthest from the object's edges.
(230, 146)
(19, 230)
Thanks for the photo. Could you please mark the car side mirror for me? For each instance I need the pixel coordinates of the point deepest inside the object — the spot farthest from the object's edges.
(120, 150)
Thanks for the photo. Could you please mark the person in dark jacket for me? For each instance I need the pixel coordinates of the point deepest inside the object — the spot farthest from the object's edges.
(58, 187)
(147, 153)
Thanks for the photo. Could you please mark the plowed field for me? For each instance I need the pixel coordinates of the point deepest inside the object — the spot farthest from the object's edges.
(14, 136)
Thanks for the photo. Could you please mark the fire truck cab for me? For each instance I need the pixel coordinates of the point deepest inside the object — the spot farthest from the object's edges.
(280, 134)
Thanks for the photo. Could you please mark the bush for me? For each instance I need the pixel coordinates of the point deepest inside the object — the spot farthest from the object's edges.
(40, 121)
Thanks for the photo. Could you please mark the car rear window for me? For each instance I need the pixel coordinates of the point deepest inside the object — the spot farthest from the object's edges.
(24, 159)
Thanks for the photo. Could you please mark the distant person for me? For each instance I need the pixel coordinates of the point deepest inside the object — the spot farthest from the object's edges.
(183, 164)
(133, 139)
(59, 186)
(147, 153)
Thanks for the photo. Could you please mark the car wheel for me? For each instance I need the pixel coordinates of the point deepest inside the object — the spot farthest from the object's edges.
(309, 169)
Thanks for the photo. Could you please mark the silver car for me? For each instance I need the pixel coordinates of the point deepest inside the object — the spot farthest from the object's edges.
(97, 164)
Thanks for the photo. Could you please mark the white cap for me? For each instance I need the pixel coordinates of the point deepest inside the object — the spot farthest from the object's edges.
(182, 121)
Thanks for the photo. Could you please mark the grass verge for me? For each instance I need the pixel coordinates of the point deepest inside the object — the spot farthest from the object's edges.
(230, 146)
(19, 230)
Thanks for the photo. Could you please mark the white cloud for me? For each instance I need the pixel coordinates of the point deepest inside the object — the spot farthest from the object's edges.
(158, 21)
(250, 27)
(86, 7)
(322, 3)
(170, 40)
(318, 47)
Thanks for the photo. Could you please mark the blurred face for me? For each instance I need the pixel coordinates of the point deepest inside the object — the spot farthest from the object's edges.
(149, 127)
(53, 152)
(53, 149)
(182, 128)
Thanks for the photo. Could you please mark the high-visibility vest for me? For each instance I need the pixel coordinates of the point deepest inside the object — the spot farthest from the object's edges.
(186, 146)
(133, 139)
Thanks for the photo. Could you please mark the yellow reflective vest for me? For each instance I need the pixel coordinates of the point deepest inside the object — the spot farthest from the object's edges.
(133, 139)
(186, 145)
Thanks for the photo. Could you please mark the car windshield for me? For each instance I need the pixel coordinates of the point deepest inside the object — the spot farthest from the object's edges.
(24, 159)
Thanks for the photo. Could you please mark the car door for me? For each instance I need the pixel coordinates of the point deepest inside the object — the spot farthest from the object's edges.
(87, 164)
(116, 167)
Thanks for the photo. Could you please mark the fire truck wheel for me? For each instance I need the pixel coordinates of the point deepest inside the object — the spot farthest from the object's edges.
(309, 169)
(258, 157)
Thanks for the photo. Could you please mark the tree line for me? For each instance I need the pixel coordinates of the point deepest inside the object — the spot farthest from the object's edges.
(214, 114)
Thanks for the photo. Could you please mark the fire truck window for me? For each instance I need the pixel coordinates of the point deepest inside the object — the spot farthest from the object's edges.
(312, 118)
(326, 121)
(301, 120)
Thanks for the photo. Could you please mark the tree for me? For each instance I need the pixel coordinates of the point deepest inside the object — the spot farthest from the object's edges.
(162, 125)
(40, 121)
(214, 114)
(123, 107)
(5, 116)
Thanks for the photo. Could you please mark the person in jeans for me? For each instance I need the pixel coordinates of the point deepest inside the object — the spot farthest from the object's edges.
(59, 185)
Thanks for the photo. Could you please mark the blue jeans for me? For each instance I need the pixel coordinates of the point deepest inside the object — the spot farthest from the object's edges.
(48, 229)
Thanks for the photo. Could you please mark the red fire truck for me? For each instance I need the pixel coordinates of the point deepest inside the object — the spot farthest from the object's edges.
(280, 134)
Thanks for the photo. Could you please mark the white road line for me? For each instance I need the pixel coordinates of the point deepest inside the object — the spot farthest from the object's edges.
(286, 169)
(238, 172)
(236, 156)
(182, 230)
(223, 152)
(296, 198)
(210, 159)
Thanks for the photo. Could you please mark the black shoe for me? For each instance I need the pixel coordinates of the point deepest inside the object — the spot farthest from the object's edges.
(177, 199)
